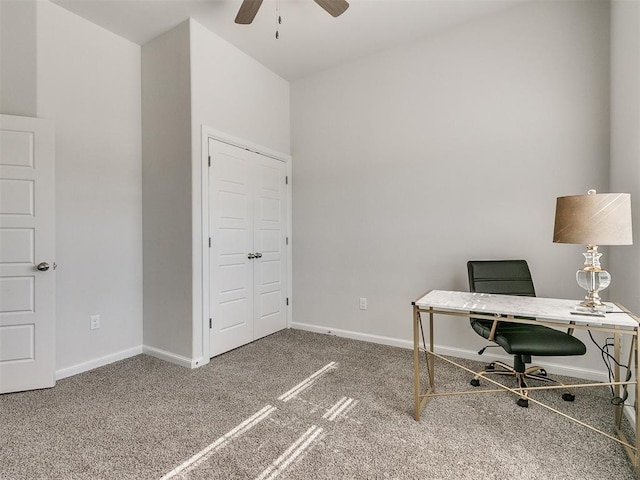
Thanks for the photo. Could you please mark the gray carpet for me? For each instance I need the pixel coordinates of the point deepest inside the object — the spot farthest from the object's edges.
(141, 418)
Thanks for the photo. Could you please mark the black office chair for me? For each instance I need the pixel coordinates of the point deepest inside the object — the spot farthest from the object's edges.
(512, 277)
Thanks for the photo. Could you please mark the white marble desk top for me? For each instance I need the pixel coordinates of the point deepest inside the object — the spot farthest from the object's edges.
(542, 308)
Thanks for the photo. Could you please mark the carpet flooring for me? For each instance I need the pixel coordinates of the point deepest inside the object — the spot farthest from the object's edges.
(296, 405)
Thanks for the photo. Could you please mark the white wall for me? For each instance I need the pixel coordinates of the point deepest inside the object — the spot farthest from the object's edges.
(624, 262)
(412, 161)
(18, 61)
(234, 94)
(191, 77)
(88, 83)
(166, 180)
(449, 149)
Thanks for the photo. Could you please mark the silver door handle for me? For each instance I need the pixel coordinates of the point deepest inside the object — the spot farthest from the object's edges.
(258, 255)
(43, 266)
(251, 256)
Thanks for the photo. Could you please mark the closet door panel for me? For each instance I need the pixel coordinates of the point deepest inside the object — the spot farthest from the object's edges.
(270, 313)
(248, 258)
(231, 229)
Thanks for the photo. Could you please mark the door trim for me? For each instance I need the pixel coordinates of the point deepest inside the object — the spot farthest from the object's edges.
(211, 133)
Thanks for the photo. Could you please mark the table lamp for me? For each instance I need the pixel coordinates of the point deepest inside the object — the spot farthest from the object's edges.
(593, 219)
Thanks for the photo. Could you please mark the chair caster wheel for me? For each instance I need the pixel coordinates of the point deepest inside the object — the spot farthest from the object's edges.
(491, 366)
(475, 382)
(568, 397)
(542, 372)
(523, 402)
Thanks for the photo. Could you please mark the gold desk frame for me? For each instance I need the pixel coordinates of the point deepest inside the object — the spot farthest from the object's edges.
(421, 397)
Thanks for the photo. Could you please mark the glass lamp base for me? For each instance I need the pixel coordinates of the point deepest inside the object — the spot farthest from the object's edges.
(593, 279)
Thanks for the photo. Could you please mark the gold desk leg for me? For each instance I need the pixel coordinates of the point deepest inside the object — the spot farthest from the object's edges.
(416, 362)
(634, 347)
(617, 409)
(431, 357)
(632, 362)
(419, 398)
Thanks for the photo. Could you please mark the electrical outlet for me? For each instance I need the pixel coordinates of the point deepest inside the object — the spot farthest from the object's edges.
(95, 322)
(363, 303)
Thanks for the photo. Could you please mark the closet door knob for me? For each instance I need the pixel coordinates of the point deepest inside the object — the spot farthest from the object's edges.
(258, 255)
(43, 267)
(251, 256)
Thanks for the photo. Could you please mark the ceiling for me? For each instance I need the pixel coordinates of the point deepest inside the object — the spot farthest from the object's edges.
(310, 39)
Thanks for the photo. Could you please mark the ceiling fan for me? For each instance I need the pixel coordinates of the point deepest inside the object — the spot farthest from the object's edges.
(249, 8)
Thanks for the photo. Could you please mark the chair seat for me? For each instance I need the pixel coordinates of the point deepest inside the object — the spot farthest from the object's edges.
(537, 340)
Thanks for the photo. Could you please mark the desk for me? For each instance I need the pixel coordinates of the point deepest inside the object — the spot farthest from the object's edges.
(551, 312)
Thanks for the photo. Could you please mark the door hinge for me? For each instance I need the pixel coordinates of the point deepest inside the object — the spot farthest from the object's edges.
(209, 323)
(287, 300)
(209, 160)
(286, 180)
(287, 240)
(209, 242)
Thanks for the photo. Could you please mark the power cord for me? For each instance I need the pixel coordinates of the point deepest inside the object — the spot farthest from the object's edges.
(607, 358)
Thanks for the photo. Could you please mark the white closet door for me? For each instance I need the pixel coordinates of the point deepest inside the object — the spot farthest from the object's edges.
(27, 279)
(247, 226)
(270, 314)
(231, 232)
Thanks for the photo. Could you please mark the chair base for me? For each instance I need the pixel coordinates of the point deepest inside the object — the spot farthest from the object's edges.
(534, 372)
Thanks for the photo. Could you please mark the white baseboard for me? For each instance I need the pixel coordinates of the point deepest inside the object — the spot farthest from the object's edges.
(98, 362)
(553, 368)
(131, 352)
(365, 337)
(172, 357)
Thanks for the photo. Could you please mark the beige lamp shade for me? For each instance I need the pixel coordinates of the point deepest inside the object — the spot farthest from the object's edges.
(594, 219)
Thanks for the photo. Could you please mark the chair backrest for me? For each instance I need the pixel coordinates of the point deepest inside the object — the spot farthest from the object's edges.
(505, 277)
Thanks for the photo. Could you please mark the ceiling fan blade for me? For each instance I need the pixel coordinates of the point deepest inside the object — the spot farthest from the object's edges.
(334, 7)
(248, 11)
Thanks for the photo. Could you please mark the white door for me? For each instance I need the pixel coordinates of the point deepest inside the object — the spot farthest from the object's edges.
(27, 279)
(270, 314)
(231, 232)
(247, 225)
